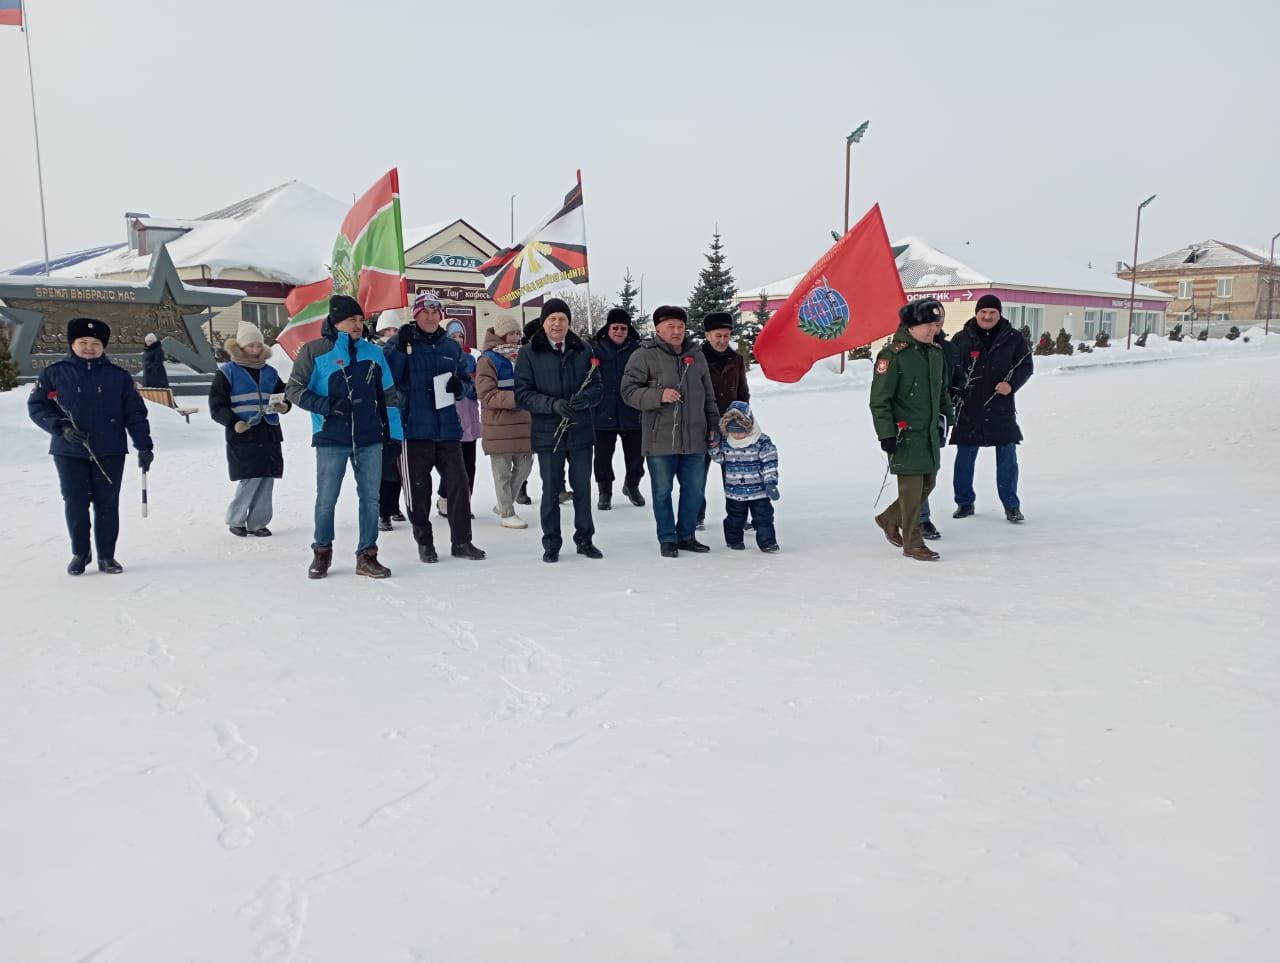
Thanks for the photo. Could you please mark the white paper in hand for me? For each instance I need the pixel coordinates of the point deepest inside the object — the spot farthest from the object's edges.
(444, 397)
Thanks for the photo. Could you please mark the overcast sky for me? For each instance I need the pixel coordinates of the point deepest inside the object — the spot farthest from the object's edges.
(1019, 126)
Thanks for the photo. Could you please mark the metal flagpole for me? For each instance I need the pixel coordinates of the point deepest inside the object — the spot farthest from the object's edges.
(35, 124)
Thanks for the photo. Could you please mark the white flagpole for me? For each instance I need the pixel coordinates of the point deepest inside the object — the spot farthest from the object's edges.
(35, 124)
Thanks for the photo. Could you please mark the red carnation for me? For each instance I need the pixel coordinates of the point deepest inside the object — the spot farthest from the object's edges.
(903, 426)
(688, 360)
(595, 362)
(339, 362)
(53, 395)
(974, 354)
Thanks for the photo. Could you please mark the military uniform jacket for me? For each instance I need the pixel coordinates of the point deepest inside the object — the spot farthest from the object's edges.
(910, 385)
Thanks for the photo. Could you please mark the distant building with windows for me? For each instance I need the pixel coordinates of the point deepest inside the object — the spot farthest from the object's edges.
(1213, 282)
(1037, 294)
(272, 242)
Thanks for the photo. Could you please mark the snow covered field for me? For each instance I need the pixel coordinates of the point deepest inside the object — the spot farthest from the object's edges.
(1057, 744)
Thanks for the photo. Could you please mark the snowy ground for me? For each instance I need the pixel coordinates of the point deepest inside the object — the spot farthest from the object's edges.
(1058, 744)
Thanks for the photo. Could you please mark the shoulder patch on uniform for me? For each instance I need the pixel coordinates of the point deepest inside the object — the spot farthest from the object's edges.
(882, 366)
(899, 346)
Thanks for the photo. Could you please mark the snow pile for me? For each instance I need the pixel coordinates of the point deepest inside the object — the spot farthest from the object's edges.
(1056, 743)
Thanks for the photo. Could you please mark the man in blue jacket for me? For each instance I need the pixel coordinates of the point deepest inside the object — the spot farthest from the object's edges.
(346, 384)
(87, 404)
(614, 344)
(422, 353)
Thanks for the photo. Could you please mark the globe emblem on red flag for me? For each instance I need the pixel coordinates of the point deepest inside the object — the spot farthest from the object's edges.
(824, 313)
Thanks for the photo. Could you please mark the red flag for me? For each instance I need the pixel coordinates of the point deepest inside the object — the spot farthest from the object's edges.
(849, 298)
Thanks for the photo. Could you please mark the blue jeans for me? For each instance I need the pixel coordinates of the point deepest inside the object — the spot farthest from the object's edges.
(1006, 474)
(691, 472)
(331, 466)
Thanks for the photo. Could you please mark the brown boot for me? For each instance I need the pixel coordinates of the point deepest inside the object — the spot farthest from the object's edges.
(921, 554)
(320, 563)
(890, 532)
(367, 564)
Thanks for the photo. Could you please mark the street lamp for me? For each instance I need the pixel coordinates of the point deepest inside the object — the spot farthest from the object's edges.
(1271, 283)
(854, 138)
(513, 220)
(1133, 287)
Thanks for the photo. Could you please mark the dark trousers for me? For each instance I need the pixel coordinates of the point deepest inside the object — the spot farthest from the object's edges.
(417, 460)
(551, 465)
(1006, 474)
(632, 459)
(735, 521)
(389, 498)
(82, 485)
(469, 463)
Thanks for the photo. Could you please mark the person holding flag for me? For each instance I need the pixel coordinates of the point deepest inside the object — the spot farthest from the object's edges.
(424, 355)
(346, 384)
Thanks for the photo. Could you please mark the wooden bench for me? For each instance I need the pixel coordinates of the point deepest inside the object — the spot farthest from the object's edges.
(164, 398)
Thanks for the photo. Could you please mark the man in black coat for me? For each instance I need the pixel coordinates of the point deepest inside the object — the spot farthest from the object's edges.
(992, 363)
(613, 345)
(557, 382)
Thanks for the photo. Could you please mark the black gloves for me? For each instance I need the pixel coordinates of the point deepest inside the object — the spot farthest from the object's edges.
(341, 407)
(578, 403)
(453, 386)
(404, 338)
(888, 445)
(72, 434)
(145, 458)
(562, 408)
(772, 492)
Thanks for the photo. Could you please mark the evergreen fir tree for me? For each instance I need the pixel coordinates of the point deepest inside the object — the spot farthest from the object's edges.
(627, 296)
(9, 370)
(715, 289)
(750, 327)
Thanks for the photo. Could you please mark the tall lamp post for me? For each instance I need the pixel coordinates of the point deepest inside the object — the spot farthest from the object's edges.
(854, 138)
(513, 219)
(1271, 283)
(1133, 268)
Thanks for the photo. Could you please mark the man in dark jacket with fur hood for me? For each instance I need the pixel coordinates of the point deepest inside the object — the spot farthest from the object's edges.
(614, 344)
(558, 383)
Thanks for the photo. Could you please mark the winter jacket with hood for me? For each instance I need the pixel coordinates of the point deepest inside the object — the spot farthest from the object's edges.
(506, 425)
(258, 452)
(543, 377)
(613, 414)
(334, 366)
(674, 428)
(750, 462)
(1003, 355)
(102, 399)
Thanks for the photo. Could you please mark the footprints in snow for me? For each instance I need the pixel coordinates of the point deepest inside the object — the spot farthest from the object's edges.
(234, 749)
(278, 912)
(168, 697)
(235, 816)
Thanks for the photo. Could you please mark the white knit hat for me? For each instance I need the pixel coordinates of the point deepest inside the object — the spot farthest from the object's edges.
(248, 333)
(150, 338)
(505, 324)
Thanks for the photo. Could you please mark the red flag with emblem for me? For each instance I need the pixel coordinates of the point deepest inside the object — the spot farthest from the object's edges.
(848, 299)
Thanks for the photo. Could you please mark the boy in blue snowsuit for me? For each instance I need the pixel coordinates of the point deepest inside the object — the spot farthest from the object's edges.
(750, 463)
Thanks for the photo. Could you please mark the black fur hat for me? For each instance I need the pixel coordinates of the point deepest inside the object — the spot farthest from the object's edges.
(88, 328)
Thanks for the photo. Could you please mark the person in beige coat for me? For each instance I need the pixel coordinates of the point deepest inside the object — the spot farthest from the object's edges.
(506, 426)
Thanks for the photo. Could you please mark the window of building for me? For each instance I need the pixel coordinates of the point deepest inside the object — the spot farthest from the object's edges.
(1097, 321)
(1185, 290)
(1222, 315)
(270, 318)
(1224, 288)
(1147, 321)
(1184, 317)
(1025, 315)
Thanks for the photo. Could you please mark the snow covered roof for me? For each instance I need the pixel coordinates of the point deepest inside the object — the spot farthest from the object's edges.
(285, 234)
(413, 236)
(1208, 254)
(61, 261)
(923, 266)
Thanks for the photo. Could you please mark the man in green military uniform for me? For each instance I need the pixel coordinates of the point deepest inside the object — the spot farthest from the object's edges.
(908, 395)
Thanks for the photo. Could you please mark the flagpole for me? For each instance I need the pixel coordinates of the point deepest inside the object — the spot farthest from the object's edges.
(35, 124)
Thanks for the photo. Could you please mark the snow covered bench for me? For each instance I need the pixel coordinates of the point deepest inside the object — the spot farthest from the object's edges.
(164, 397)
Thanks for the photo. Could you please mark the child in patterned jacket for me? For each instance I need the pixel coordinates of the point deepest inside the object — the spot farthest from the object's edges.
(750, 477)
